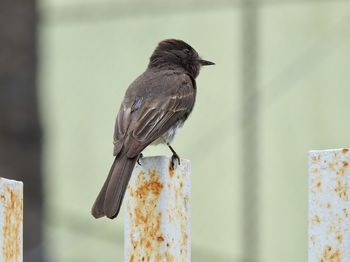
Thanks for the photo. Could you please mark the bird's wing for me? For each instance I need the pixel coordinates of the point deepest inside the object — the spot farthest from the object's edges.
(122, 124)
(146, 118)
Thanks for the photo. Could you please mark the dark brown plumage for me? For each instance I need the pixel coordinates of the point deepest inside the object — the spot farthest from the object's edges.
(155, 105)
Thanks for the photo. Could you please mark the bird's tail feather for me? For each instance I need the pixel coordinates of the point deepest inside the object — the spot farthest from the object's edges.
(110, 198)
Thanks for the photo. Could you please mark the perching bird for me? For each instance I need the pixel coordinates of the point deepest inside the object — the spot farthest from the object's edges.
(155, 105)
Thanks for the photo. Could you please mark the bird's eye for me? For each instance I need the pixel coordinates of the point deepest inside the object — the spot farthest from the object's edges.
(187, 51)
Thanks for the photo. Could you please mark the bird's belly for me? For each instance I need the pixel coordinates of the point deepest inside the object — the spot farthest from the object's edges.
(169, 135)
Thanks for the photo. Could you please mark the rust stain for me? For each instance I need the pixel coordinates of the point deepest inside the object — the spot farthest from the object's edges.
(345, 164)
(171, 170)
(331, 166)
(329, 255)
(149, 242)
(153, 186)
(341, 171)
(166, 258)
(345, 150)
(318, 185)
(316, 220)
(13, 216)
(183, 244)
(160, 239)
(169, 257)
(315, 170)
(134, 244)
(316, 159)
(148, 219)
(341, 190)
(339, 238)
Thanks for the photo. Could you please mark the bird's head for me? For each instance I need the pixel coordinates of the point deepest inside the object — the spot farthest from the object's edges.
(176, 53)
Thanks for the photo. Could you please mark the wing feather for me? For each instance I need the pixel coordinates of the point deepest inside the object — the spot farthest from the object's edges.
(160, 109)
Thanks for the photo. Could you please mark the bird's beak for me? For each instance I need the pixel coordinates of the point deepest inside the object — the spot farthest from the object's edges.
(205, 62)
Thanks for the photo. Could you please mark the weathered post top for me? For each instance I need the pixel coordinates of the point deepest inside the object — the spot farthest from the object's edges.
(11, 220)
(329, 205)
(157, 220)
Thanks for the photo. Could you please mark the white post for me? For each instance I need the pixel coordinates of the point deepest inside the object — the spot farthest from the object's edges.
(329, 205)
(11, 220)
(157, 220)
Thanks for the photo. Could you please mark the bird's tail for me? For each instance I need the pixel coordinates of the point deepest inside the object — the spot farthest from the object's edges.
(109, 200)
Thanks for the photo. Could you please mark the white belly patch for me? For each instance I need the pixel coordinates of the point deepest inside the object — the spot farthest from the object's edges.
(169, 135)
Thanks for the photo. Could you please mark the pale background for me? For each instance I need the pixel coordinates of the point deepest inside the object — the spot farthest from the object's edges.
(249, 196)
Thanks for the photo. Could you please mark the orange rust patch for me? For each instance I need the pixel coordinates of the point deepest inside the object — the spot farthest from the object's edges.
(147, 219)
(148, 238)
(345, 164)
(341, 190)
(169, 257)
(345, 150)
(341, 171)
(318, 185)
(13, 216)
(153, 186)
(329, 255)
(160, 239)
(171, 170)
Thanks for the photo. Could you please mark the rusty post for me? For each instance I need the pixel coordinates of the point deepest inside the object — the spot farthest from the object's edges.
(329, 205)
(11, 220)
(157, 220)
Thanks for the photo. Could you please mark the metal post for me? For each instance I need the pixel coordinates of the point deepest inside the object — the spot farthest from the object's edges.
(157, 220)
(329, 205)
(11, 220)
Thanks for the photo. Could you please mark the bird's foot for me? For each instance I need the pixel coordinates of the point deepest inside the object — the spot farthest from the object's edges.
(175, 157)
(139, 158)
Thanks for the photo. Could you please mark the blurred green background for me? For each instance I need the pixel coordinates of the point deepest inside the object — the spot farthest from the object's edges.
(280, 87)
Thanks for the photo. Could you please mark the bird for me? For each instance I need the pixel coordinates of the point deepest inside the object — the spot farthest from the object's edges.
(154, 107)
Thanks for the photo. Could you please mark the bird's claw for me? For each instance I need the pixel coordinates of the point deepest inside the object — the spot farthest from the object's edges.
(175, 157)
(139, 158)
